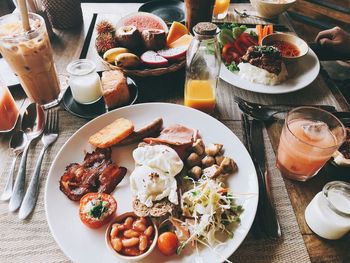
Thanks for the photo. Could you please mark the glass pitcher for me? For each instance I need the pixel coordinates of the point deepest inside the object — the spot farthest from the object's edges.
(202, 68)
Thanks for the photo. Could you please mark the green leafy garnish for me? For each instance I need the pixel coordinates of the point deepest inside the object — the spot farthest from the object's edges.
(98, 207)
(236, 31)
(266, 49)
(253, 34)
(232, 67)
(229, 26)
(225, 36)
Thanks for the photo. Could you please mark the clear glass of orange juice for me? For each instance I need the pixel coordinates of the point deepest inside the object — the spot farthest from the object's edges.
(8, 109)
(202, 68)
(221, 9)
(309, 138)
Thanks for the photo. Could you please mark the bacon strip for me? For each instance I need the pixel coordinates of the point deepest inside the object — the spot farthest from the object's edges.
(96, 174)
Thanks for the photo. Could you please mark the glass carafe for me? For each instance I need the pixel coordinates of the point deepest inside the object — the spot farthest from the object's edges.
(202, 68)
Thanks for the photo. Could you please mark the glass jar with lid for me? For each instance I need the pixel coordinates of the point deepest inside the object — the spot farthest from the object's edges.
(328, 214)
(84, 81)
(202, 68)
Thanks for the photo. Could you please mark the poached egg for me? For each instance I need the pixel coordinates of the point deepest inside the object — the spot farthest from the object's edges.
(154, 175)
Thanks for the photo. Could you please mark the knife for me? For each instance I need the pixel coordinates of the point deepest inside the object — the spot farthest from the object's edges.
(257, 230)
(269, 218)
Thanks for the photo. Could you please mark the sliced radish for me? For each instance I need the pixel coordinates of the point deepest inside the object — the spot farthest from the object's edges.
(153, 59)
(174, 53)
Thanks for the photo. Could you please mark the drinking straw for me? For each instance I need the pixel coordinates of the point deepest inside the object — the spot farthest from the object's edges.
(32, 6)
(24, 14)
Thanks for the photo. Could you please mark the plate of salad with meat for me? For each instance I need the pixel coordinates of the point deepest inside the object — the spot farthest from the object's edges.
(250, 65)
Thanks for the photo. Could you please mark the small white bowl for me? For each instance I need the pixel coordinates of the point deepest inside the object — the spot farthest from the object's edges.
(297, 41)
(129, 258)
(271, 9)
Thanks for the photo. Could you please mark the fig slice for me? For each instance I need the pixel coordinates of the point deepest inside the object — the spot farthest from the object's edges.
(153, 39)
(128, 37)
(153, 60)
(173, 54)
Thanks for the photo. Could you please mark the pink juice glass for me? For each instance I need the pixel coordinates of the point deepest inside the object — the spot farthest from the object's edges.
(309, 138)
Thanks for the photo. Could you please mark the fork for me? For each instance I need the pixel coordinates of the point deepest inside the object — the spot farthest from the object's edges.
(245, 15)
(50, 135)
(268, 112)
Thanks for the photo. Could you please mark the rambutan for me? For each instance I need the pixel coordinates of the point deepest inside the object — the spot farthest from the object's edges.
(105, 27)
(104, 42)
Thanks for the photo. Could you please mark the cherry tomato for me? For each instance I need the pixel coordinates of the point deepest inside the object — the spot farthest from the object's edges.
(229, 54)
(235, 57)
(226, 52)
(97, 209)
(238, 49)
(248, 40)
(168, 243)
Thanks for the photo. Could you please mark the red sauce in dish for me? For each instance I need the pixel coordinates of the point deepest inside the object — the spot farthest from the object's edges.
(287, 49)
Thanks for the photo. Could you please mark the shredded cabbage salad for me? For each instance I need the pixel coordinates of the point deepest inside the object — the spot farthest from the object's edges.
(209, 209)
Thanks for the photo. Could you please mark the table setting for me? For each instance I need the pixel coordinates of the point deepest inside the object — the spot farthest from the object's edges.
(164, 131)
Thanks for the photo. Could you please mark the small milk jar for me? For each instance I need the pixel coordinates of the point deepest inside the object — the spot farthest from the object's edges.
(328, 214)
(84, 81)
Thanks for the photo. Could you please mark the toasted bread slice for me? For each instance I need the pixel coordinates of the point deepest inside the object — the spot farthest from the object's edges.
(159, 209)
(112, 133)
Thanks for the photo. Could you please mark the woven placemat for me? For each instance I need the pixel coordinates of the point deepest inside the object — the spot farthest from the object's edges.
(31, 240)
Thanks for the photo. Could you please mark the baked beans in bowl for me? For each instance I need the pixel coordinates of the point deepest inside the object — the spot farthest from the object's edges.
(131, 237)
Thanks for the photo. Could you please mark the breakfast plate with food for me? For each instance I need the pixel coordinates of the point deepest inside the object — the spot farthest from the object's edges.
(152, 182)
(266, 62)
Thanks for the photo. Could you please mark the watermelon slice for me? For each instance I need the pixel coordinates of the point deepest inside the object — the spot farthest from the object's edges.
(142, 21)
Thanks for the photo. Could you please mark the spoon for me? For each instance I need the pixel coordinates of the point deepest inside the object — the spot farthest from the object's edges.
(17, 143)
(244, 14)
(33, 123)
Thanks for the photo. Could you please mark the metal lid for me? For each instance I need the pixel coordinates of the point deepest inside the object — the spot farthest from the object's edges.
(205, 28)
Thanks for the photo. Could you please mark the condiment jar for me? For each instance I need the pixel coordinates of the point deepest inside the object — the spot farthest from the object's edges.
(84, 81)
(202, 68)
(328, 214)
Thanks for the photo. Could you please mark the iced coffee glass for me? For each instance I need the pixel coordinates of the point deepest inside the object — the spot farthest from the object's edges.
(29, 55)
(309, 138)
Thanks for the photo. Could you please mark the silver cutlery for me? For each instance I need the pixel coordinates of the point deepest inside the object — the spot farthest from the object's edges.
(50, 135)
(244, 14)
(272, 112)
(17, 144)
(269, 218)
(33, 123)
(265, 223)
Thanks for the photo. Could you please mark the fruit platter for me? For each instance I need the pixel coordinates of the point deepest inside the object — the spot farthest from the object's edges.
(141, 44)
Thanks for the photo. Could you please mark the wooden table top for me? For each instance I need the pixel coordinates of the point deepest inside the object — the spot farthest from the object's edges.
(69, 45)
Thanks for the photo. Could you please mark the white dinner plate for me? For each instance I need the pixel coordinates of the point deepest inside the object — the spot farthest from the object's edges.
(82, 244)
(301, 73)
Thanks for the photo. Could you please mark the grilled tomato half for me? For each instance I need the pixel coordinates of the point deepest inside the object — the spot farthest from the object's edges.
(97, 209)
